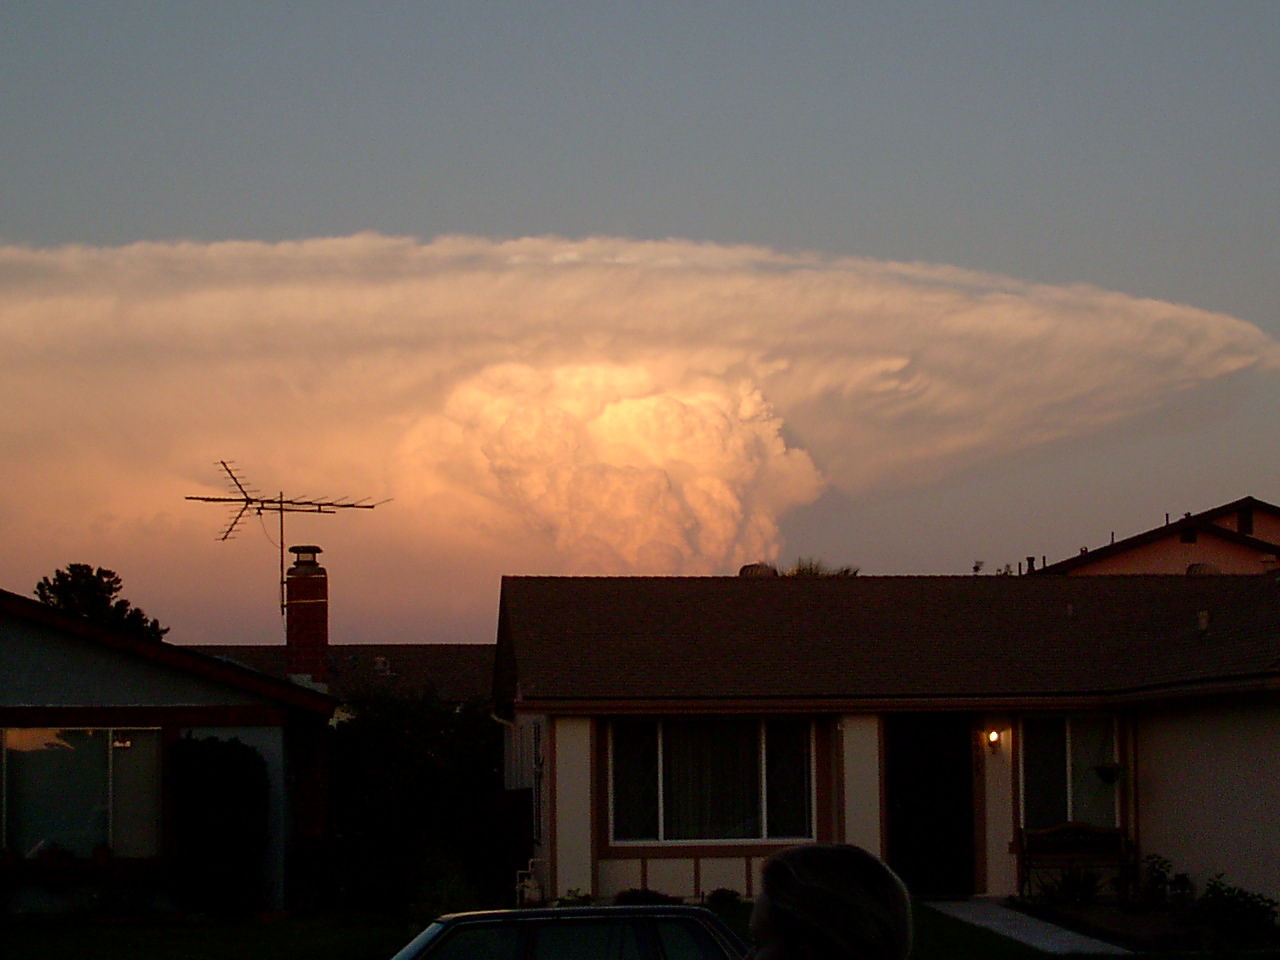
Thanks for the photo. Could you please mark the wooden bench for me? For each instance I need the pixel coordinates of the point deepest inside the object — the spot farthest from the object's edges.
(1074, 862)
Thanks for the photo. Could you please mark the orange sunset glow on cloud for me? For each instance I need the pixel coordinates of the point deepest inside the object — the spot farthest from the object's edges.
(537, 405)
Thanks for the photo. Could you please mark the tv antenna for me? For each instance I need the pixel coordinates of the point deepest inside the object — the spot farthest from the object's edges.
(248, 499)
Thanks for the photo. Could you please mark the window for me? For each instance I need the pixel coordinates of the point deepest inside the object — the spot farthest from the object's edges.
(711, 778)
(1244, 521)
(75, 790)
(1069, 771)
(491, 941)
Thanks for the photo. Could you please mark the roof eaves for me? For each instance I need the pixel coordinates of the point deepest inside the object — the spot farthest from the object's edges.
(171, 655)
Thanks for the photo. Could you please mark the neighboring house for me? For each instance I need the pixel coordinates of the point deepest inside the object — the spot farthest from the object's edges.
(454, 673)
(88, 716)
(675, 731)
(1242, 537)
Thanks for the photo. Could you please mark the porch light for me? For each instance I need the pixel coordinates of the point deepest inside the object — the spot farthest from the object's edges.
(993, 740)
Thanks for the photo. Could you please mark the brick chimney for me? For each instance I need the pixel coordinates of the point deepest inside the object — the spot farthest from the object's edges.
(306, 619)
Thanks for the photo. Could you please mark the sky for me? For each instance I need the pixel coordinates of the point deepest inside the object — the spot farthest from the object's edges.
(622, 288)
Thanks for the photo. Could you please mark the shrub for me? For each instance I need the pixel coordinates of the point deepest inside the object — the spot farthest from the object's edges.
(1156, 874)
(1073, 885)
(442, 886)
(638, 897)
(1236, 917)
(723, 899)
(220, 790)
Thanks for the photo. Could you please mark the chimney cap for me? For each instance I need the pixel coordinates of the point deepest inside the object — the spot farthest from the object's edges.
(305, 554)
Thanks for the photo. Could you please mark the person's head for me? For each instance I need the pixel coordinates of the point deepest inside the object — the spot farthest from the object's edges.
(830, 902)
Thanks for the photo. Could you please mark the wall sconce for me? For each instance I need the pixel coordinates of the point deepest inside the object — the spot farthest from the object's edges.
(993, 741)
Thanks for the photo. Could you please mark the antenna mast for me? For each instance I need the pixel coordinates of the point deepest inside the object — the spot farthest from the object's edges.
(247, 498)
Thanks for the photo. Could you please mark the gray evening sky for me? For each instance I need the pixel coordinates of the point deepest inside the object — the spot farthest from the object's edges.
(625, 287)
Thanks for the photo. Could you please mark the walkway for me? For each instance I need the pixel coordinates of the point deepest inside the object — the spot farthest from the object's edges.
(1007, 922)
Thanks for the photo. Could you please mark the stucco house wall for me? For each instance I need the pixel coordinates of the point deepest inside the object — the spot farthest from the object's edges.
(574, 858)
(572, 812)
(1207, 791)
(1265, 524)
(41, 666)
(1172, 556)
(860, 770)
(999, 816)
(1241, 537)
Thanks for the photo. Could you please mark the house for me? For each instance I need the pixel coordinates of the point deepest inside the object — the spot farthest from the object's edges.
(91, 719)
(672, 732)
(453, 673)
(1241, 537)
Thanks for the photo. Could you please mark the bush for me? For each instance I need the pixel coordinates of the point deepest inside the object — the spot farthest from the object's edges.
(637, 897)
(722, 899)
(420, 822)
(1073, 885)
(1236, 917)
(441, 887)
(220, 791)
(1156, 874)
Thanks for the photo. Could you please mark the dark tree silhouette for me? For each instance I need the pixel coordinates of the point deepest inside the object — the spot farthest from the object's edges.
(221, 811)
(82, 591)
(419, 817)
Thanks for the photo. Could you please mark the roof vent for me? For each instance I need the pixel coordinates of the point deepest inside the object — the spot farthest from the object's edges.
(758, 570)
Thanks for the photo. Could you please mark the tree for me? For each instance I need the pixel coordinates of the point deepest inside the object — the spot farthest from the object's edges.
(419, 816)
(812, 567)
(82, 591)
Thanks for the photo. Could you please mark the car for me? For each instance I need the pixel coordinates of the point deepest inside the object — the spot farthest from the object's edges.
(651, 932)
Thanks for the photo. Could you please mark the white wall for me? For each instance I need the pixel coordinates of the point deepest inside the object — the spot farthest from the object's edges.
(673, 876)
(860, 745)
(728, 873)
(619, 875)
(1002, 866)
(1208, 792)
(573, 810)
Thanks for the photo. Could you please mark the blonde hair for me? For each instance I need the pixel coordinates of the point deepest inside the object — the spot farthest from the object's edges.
(840, 901)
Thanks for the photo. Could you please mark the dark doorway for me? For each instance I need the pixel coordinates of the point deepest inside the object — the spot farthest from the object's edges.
(929, 762)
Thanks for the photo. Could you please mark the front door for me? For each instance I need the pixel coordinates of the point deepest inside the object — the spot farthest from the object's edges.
(929, 788)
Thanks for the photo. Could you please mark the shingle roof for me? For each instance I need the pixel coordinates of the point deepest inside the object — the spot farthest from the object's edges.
(632, 640)
(453, 672)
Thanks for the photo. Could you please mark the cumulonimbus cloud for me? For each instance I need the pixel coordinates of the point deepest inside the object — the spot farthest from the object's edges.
(606, 404)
